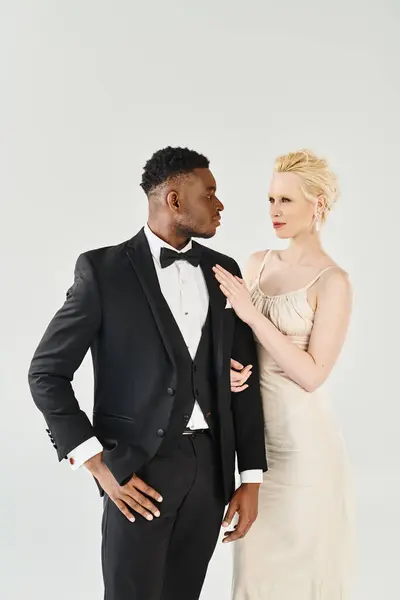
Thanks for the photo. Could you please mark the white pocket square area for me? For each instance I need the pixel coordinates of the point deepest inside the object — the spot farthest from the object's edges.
(228, 304)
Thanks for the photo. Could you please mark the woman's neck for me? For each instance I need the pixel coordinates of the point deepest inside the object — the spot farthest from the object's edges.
(303, 249)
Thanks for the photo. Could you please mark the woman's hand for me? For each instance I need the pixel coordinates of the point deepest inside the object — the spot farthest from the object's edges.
(239, 376)
(237, 293)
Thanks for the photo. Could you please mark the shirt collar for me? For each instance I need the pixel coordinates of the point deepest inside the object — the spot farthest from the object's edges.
(157, 243)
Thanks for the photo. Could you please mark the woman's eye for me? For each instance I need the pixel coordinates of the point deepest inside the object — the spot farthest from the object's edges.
(271, 200)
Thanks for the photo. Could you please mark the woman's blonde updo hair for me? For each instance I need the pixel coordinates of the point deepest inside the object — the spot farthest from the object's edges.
(317, 178)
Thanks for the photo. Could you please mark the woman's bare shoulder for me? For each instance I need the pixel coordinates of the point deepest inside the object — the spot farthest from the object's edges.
(333, 270)
(335, 281)
(253, 265)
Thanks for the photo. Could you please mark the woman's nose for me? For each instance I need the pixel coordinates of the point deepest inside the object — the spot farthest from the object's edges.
(276, 210)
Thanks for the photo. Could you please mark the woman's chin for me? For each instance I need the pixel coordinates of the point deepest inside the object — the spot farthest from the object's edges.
(281, 234)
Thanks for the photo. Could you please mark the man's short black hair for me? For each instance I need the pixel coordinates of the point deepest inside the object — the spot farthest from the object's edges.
(170, 162)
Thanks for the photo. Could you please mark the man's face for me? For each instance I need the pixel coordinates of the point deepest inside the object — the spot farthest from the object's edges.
(198, 214)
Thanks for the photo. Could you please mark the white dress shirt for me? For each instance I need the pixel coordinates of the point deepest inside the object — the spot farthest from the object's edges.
(184, 288)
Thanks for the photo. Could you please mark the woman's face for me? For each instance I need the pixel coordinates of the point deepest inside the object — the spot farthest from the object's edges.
(291, 213)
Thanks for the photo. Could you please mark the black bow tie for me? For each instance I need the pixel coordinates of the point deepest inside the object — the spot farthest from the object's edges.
(168, 257)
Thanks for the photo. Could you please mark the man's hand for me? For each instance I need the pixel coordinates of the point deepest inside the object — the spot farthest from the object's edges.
(244, 502)
(133, 494)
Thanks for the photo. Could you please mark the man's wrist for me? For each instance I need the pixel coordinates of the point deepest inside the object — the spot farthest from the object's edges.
(82, 453)
(95, 464)
(251, 476)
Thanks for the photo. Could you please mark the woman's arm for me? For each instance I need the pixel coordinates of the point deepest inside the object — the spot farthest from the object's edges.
(311, 368)
(308, 368)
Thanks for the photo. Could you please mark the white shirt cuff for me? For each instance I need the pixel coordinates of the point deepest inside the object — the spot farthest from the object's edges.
(252, 476)
(84, 452)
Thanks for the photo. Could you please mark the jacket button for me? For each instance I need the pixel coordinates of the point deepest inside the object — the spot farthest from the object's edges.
(161, 433)
(170, 391)
(195, 368)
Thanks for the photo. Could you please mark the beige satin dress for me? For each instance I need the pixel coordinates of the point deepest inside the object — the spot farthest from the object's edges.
(301, 546)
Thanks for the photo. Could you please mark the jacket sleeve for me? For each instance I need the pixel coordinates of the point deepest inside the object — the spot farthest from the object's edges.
(59, 354)
(247, 405)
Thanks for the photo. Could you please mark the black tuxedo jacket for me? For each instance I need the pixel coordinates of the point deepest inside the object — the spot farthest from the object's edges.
(116, 308)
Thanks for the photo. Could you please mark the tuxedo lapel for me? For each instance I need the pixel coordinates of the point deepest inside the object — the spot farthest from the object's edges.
(139, 255)
(140, 258)
(217, 306)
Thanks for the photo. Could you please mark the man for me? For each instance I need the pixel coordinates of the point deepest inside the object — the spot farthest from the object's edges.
(165, 424)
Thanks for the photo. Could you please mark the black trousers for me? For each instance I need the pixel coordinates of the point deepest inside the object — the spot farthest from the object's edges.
(167, 558)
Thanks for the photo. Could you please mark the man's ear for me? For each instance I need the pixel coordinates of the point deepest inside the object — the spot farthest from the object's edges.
(173, 200)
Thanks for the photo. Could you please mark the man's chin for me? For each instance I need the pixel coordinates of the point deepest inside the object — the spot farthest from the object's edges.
(205, 235)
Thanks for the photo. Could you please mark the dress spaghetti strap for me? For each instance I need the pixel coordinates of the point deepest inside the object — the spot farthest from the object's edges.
(260, 270)
(306, 287)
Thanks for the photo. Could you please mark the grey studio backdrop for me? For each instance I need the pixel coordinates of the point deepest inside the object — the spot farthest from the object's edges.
(88, 90)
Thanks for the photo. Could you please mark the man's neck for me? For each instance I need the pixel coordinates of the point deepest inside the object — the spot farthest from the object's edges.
(168, 234)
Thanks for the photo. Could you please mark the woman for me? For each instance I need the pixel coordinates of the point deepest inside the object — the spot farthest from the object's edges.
(298, 303)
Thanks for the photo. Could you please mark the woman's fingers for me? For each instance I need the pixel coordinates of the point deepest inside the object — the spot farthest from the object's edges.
(225, 277)
(239, 378)
(236, 365)
(236, 390)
